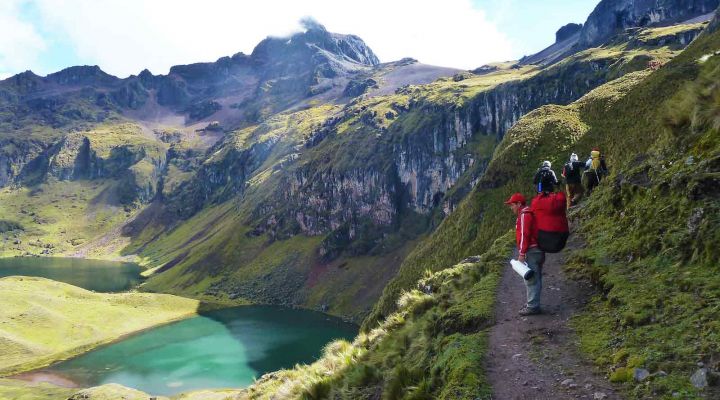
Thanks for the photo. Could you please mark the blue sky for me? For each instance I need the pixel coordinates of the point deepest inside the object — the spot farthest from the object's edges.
(531, 24)
(126, 36)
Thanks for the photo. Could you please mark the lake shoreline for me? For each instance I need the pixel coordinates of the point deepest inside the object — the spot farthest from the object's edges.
(71, 311)
(227, 348)
(52, 378)
(88, 348)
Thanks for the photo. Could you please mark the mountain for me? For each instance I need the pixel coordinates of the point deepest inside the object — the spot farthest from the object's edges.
(648, 233)
(309, 174)
(303, 174)
(612, 17)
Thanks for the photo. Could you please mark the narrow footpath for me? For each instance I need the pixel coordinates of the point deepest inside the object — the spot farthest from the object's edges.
(536, 357)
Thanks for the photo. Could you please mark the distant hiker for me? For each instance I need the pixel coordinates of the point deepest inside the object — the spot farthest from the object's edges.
(572, 171)
(545, 179)
(528, 251)
(596, 169)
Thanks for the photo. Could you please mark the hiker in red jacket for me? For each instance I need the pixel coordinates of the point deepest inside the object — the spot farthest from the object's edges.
(529, 252)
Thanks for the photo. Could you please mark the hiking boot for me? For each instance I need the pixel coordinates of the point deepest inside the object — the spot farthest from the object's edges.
(529, 311)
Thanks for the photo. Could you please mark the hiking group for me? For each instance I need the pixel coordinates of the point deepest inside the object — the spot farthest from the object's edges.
(542, 227)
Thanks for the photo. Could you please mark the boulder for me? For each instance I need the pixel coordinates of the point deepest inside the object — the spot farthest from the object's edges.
(640, 374)
(699, 378)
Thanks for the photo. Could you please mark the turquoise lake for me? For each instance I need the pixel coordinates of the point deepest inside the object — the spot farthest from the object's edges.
(219, 349)
(100, 276)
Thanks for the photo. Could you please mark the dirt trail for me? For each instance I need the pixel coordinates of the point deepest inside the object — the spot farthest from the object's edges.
(536, 357)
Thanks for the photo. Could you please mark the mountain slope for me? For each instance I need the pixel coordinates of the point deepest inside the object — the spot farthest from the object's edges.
(359, 184)
(658, 297)
(311, 190)
(470, 236)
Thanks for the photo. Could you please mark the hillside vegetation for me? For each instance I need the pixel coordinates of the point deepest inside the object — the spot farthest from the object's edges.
(319, 207)
(650, 228)
(320, 198)
(658, 301)
(303, 174)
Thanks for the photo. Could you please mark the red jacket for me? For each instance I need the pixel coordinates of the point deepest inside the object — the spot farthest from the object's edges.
(525, 230)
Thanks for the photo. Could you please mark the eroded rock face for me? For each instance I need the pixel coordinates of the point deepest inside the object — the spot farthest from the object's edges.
(324, 202)
(74, 158)
(611, 16)
(408, 170)
(16, 155)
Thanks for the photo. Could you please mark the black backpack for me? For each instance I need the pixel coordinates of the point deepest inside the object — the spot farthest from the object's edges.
(546, 183)
(573, 171)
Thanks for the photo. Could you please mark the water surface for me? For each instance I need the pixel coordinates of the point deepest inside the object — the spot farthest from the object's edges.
(100, 276)
(220, 349)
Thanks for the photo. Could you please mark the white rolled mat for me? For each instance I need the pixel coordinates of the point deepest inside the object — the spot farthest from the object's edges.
(522, 269)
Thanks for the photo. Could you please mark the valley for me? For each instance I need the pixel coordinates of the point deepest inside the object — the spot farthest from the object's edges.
(308, 222)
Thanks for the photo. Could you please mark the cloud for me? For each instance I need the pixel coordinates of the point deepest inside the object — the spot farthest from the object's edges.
(123, 37)
(20, 43)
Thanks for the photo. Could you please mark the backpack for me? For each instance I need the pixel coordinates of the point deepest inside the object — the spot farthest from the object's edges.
(547, 180)
(551, 221)
(573, 171)
(595, 163)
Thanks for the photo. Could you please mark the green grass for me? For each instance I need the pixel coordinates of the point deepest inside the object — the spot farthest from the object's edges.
(61, 217)
(20, 390)
(432, 347)
(548, 133)
(652, 235)
(667, 31)
(651, 227)
(45, 321)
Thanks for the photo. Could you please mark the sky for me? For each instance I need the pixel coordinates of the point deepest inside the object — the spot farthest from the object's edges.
(124, 37)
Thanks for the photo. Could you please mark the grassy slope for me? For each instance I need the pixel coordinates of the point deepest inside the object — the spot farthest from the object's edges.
(650, 228)
(653, 232)
(638, 322)
(431, 348)
(79, 216)
(46, 321)
(19, 390)
(432, 345)
(60, 217)
(215, 245)
(479, 221)
(482, 216)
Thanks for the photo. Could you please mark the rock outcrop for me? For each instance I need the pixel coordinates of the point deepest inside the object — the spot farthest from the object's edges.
(611, 16)
(566, 31)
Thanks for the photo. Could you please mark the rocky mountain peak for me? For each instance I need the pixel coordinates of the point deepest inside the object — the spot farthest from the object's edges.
(82, 75)
(23, 82)
(567, 31)
(315, 39)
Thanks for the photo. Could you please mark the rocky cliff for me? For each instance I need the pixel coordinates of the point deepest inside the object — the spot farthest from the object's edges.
(612, 16)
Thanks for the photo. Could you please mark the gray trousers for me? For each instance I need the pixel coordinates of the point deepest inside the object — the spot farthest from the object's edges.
(535, 259)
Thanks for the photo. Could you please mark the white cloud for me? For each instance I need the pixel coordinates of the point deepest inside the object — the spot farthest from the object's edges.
(20, 43)
(125, 36)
